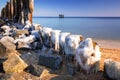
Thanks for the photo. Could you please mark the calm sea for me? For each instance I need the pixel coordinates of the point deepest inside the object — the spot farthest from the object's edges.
(98, 28)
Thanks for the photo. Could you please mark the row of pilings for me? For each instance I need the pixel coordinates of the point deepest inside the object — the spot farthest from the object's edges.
(19, 11)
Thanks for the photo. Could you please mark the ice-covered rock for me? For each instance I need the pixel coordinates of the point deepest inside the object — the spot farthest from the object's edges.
(111, 69)
(62, 37)
(55, 39)
(71, 44)
(46, 36)
(88, 56)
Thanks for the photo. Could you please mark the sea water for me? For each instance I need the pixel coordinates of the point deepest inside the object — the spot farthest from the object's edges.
(94, 27)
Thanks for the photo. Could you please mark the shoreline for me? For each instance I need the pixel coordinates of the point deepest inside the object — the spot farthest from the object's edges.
(110, 44)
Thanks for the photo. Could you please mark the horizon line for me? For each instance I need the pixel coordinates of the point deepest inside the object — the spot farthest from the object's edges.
(77, 16)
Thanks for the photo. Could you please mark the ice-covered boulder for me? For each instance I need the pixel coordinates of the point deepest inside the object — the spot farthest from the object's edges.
(62, 37)
(111, 69)
(71, 44)
(88, 56)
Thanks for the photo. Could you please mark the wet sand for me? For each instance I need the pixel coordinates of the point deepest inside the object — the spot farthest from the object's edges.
(112, 44)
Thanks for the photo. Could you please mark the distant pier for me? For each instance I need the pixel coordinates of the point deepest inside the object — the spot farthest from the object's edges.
(61, 15)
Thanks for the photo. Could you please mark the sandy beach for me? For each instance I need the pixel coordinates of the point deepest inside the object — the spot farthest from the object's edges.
(112, 44)
(110, 50)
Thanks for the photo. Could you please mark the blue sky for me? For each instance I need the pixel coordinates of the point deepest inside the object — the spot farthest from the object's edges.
(76, 7)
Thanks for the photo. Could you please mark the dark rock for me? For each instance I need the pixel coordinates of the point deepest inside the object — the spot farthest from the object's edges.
(35, 70)
(71, 69)
(1, 65)
(51, 61)
(18, 26)
(2, 20)
(36, 45)
(69, 57)
(30, 58)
